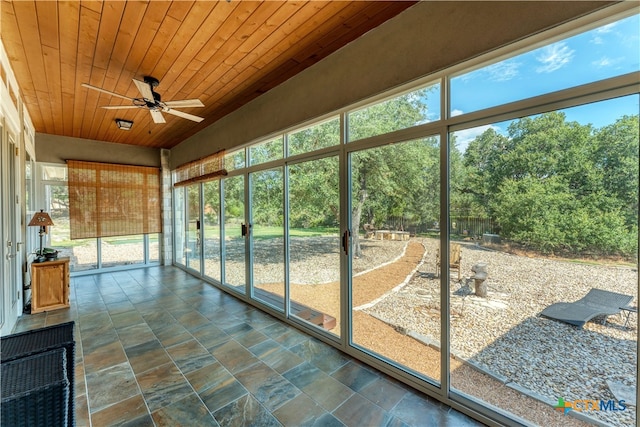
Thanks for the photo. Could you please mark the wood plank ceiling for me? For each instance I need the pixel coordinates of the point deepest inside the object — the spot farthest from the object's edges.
(224, 53)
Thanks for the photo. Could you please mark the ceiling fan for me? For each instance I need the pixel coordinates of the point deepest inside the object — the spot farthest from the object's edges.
(152, 101)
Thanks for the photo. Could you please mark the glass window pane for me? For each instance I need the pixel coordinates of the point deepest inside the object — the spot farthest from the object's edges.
(411, 109)
(266, 151)
(557, 195)
(211, 229)
(608, 51)
(179, 234)
(234, 160)
(54, 173)
(314, 241)
(154, 248)
(193, 227)
(319, 136)
(234, 242)
(29, 183)
(83, 253)
(267, 236)
(122, 250)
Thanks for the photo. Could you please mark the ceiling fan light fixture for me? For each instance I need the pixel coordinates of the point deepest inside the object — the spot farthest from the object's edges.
(124, 124)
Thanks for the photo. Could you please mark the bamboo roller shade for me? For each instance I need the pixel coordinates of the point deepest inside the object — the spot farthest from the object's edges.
(113, 200)
(204, 169)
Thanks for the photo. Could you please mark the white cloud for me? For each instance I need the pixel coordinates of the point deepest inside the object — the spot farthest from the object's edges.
(503, 71)
(602, 62)
(606, 62)
(455, 112)
(464, 137)
(606, 28)
(554, 57)
(602, 30)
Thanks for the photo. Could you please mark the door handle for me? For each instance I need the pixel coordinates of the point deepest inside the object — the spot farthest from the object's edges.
(244, 230)
(346, 241)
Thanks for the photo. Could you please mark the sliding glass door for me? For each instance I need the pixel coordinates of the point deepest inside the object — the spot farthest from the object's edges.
(193, 228)
(266, 236)
(211, 230)
(179, 226)
(233, 237)
(395, 288)
(314, 243)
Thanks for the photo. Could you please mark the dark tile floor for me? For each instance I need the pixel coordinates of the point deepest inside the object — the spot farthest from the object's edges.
(157, 346)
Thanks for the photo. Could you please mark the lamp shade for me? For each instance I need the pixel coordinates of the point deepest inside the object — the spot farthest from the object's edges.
(41, 219)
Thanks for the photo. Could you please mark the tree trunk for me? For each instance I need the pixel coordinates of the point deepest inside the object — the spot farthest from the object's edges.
(356, 217)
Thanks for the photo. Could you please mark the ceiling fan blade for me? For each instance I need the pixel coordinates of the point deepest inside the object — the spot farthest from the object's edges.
(88, 86)
(183, 115)
(145, 89)
(157, 116)
(118, 107)
(184, 103)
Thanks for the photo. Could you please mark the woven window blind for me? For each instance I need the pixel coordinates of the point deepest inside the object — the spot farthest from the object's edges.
(113, 200)
(205, 169)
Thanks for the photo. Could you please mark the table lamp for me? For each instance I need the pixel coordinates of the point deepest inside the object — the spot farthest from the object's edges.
(41, 219)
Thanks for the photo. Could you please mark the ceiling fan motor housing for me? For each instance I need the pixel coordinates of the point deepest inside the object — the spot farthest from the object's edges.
(152, 81)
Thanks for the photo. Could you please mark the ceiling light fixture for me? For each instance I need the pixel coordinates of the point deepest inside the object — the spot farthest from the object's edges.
(124, 124)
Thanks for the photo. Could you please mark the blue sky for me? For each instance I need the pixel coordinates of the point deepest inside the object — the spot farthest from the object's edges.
(604, 52)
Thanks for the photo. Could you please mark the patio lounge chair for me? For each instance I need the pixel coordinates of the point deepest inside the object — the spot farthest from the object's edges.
(597, 302)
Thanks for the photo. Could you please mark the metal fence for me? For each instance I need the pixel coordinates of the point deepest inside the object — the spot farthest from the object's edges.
(461, 226)
(473, 227)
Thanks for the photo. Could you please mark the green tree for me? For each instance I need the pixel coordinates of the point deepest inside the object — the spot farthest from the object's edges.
(234, 199)
(479, 163)
(395, 181)
(558, 185)
(267, 197)
(314, 199)
(617, 156)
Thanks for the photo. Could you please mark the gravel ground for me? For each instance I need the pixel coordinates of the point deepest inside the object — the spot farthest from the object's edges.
(504, 334)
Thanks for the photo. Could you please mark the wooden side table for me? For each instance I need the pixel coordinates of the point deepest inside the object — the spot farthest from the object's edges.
(50, 285)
